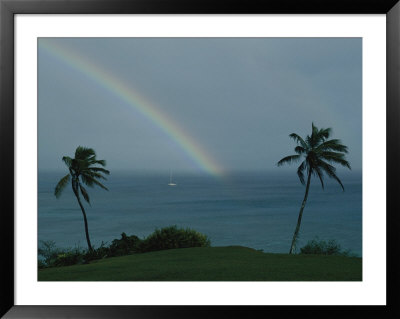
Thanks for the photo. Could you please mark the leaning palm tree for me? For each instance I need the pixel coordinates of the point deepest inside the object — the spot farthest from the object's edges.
(318, 153)
(82, 170)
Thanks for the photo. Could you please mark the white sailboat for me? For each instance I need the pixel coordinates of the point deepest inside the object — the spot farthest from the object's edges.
(170, 180)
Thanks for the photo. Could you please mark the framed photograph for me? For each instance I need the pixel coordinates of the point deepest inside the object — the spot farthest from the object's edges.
(170, 158)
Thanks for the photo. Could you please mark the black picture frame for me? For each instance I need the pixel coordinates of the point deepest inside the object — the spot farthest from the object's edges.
(8, 10)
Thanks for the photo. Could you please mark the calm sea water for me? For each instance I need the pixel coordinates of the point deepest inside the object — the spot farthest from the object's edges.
(257, 210)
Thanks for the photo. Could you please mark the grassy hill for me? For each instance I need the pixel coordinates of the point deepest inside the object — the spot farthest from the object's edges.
(211, 264)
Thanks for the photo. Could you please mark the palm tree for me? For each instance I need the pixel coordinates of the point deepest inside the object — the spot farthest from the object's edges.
(82, 170)
(318, 153)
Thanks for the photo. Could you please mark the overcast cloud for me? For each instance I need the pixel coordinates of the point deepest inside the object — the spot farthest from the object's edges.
(239, 98)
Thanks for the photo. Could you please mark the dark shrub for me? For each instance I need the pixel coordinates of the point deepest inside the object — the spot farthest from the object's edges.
(51, 256)
(125, 246)
(165, 238)
(173, 237)
(321, 247)
(41, 264)
(48, 253)
(99, 253)
(68, 258)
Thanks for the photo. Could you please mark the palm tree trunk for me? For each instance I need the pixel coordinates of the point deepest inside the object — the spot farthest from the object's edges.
(296, 232)
(76, 192)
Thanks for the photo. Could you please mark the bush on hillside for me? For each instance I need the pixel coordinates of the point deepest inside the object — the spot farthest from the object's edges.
(48, 252)
(96, 253)
(165, 238)
(173, 237)
(69, 258)
(321, 247)
(51, 256)
(125, 246)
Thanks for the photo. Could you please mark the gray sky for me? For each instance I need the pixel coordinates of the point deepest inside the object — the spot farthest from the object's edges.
(236, 98)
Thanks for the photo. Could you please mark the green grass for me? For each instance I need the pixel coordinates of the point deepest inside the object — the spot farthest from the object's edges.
(211, 264)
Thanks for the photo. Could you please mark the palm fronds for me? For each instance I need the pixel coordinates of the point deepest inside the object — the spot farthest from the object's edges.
(61, 185)
(319, 153)
(85, 168)
(289, 159)
(84, 193)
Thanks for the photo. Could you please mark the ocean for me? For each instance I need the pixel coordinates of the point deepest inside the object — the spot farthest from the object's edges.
(253, 209)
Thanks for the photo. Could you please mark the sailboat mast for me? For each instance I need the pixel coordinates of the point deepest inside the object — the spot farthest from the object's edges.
(170, 179)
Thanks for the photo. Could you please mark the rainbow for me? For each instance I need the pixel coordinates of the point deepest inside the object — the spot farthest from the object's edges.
(137, 102)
